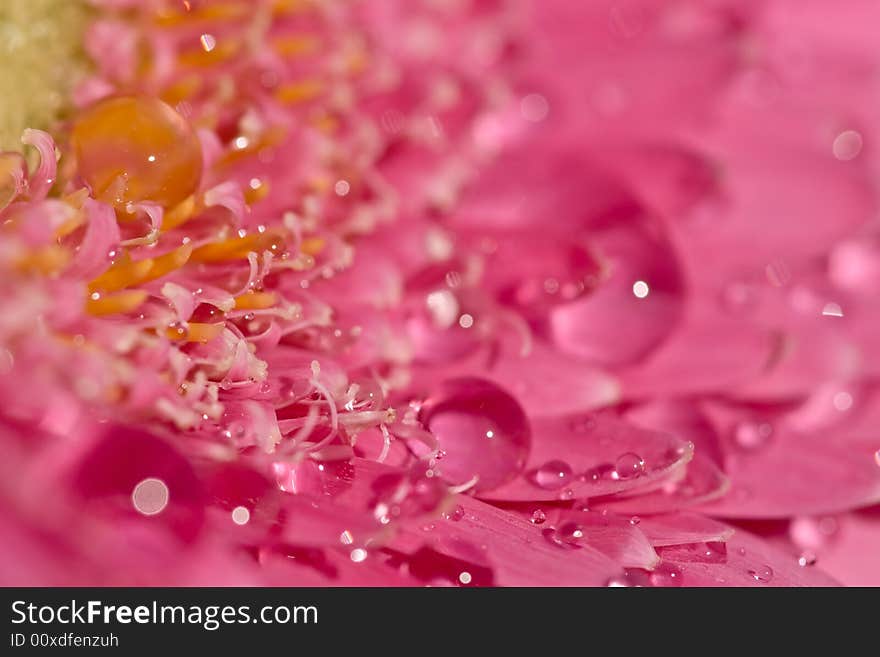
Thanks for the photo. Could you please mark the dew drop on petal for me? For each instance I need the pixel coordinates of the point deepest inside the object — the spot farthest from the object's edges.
(806, 558)
(131, 149)
(241, 515)
(465, 577)
(832, 309)
(208, 41)
(358, 554)
(618, 581)
(847, 145)
(641, 289)
(534, 108)
(629, 465)
(842, 401)
(456, 514)
(552, 475)
(538, 517)
(666, 575)
(569, 533)
(603, 471)
(150, 496)
(762, 574)
(482, 430)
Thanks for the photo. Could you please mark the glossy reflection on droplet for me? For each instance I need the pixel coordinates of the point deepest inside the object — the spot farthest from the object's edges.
(482, 429)
(552, 475)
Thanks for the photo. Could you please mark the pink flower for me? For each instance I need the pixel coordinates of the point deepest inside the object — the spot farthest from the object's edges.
(488, 293)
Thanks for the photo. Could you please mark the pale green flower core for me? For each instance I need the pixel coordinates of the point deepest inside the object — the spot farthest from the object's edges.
(41, 57)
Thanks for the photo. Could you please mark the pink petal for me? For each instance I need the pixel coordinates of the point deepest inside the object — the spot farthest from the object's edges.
(702, 482)
(512, 549)
(682, 529)
(578, 457)
(101, 237)
(744, 560)
(43, 177)
(612, 535)
(792, 473)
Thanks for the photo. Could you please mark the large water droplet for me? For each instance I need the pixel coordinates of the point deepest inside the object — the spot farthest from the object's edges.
(482, 429)
(538, 517)
(629, 465)
(150, 496)
(552, 475)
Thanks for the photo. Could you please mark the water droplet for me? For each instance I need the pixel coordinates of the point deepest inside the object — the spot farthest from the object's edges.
(552, 475)
(666, 575)
(456, 514)
(641, 289)
(762, 574)
(534, 108)
(462, 415)
(136, 148)
(618, 581)
(538, 517)
(150, 496)
(208, 41)
(358, 554)
(843, 401)
(241, 515)
(601, 472)
(832, 309)
(569, 533)
(342, 187)
(465, 577)
(806, 559)
(629, 465)
(635, 520)
(177, 331)
(847, 145)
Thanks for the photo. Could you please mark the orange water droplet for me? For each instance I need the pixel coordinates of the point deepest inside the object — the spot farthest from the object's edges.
(134, 149)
